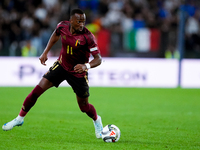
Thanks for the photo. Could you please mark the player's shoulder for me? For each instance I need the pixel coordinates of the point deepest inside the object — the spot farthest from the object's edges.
(64, 23)
(88, 33)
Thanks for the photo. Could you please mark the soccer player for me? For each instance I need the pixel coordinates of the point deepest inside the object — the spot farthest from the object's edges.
(72, 65)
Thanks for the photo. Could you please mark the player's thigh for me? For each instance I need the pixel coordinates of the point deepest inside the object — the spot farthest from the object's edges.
(79, 85)
(56, 74)
(45, 84)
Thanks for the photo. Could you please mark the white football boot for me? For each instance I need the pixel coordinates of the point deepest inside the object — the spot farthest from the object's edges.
(98, 127)
(11, 124)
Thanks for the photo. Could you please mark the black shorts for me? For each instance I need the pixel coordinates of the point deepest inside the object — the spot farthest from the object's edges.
(57, 74)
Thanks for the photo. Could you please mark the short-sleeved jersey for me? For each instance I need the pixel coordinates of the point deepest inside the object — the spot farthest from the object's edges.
(76, 49)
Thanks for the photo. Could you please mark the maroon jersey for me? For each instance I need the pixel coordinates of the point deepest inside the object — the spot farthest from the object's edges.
(76, 49)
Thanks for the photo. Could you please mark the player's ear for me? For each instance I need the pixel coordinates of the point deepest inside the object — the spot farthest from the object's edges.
(71, 19)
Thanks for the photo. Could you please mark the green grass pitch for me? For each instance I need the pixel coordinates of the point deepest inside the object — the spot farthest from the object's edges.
(149, 118)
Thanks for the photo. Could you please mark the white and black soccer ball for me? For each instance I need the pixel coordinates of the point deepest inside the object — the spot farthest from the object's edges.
(111, 133)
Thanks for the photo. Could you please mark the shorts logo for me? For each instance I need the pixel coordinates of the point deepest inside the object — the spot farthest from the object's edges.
(86, 94)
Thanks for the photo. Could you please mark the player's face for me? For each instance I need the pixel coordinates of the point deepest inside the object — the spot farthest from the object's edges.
(77, 22)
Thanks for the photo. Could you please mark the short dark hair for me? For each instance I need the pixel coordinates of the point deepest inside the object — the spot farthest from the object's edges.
(77, 10)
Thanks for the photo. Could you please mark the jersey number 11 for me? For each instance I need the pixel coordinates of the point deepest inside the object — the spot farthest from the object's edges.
(69, 50)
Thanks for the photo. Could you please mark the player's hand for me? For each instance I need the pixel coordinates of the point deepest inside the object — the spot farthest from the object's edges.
(43, 58)
(79, 68)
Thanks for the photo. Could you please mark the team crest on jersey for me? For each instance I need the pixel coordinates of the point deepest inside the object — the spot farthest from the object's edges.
(77, 42)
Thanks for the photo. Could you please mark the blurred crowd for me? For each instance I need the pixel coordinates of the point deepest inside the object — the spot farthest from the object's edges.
(26, 25)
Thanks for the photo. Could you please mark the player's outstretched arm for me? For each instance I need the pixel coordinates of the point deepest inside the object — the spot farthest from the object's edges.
(53, 39)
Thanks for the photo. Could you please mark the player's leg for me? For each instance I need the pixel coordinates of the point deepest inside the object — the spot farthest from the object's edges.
(31, 99)
(89, 109)
(29, 102)
(86, 107)
(81, 88)
(52, 78)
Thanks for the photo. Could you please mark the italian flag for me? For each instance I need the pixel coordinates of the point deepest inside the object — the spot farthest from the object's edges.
(142, 40)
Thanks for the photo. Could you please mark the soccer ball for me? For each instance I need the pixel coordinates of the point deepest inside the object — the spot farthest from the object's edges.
(111, 133)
